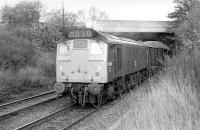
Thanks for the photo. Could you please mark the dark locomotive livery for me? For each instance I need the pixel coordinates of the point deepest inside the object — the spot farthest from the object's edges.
(94, 66)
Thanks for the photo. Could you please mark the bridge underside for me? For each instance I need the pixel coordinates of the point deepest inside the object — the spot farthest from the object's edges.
(136, 30)
(145, 36)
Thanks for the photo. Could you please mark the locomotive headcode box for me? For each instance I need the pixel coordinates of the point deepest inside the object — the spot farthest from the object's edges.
(81, 33)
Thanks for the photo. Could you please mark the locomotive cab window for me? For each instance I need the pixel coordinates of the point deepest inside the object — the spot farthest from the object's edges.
(63, 49)
(80, 44)
(96, 48)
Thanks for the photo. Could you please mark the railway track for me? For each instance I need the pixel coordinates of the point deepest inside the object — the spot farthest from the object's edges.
(90, 113)
(16, 106)
(43, 119)
(54, 114)
(80, 119)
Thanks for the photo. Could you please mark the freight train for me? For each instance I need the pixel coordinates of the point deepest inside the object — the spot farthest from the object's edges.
(93, 66)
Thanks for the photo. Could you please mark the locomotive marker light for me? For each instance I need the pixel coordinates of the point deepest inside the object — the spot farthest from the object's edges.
(97, 74)
(61, 68)
(135, 63)
(62, 73)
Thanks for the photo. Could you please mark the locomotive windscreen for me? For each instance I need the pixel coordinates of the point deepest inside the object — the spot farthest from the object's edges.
(81, 33)
(80, 44)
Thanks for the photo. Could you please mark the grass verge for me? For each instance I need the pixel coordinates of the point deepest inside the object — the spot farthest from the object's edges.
(169, 100)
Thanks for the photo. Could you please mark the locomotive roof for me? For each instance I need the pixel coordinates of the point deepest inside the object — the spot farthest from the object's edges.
(118, 40)
(122, 40)
(156, 44)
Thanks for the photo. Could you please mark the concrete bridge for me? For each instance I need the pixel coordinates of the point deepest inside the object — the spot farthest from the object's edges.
(136, 30)
(131, 26)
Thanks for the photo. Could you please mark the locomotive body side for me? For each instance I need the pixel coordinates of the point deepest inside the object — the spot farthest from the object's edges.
(125, 59)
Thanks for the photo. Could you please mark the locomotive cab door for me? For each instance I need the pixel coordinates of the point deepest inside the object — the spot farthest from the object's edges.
(118, 60)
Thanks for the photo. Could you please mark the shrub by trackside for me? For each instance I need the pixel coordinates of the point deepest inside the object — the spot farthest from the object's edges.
(21, 69)
(16, 52)
(25, 80)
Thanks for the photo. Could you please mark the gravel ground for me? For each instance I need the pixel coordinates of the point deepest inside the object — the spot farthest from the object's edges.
(10, 97)
(63, 120)
(109, 114)
(26, 103)
(102, 119)
(33, 113)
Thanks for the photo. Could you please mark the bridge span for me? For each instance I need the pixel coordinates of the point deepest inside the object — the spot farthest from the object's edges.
(131, 26)
(136, 30)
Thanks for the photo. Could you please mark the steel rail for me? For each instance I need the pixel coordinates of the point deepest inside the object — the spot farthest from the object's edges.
(17, 101)
(80, 119)
(25, 107)
(43, 119)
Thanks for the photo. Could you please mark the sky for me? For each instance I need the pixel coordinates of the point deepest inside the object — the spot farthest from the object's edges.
(155, 10)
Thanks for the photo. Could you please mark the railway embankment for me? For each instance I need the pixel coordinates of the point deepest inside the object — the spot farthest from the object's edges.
(170, 100)
(25, 69)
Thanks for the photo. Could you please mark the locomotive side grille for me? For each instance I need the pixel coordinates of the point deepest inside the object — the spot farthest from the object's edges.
(80, 44)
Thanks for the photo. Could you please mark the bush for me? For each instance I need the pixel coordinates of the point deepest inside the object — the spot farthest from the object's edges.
(16, 52)
(25, 67)
(47, 65)
(21, 31)
(23, 80)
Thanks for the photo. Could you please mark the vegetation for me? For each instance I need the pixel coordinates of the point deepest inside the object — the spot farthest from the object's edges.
(16, 51)
(170, 100)
(22, 66)
(27, 56)
(186, 24)
(24, 12)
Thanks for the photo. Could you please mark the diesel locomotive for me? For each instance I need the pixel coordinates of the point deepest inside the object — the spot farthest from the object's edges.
(93, 66)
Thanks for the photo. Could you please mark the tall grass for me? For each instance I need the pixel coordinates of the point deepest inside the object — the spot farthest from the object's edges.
(169, 100)
(26, 80)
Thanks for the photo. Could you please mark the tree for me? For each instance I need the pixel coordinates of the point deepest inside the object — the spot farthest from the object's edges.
(185, 23)
(54, 20)
(82, 18)
(24, 12)
(96, 14)
(91, 15)
(54, 29)
(182, 9)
